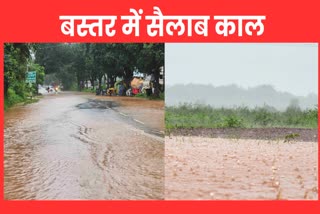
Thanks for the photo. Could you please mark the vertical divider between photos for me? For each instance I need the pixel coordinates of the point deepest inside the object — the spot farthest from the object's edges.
(318, 112)
(2, 122)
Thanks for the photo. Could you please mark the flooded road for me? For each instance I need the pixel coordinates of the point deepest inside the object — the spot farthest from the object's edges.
(240, 169)
(72, 146)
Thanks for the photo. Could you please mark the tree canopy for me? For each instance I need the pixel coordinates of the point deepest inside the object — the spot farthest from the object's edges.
(18, 60)
(77, 63)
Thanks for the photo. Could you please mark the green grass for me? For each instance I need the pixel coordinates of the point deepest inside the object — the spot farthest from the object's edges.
(201, 116)
(88, 90)
(143, 95)
(13, 99)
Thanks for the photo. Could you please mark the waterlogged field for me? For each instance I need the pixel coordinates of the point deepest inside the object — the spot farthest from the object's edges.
(238, 169)
(201, 116)
(241, 153)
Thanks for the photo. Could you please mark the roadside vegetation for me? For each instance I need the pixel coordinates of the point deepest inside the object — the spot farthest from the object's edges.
(203, 116)
(17, 61)
(144, 95)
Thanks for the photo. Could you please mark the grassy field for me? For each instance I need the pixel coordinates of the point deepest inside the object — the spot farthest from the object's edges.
(202, 116)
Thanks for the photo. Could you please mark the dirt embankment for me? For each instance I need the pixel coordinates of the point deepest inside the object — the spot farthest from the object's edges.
(278, 134)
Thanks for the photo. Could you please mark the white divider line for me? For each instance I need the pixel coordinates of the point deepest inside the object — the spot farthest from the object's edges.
(138, 121)
(123, 114)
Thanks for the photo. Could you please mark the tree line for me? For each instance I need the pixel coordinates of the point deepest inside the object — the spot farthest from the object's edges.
(74, 64)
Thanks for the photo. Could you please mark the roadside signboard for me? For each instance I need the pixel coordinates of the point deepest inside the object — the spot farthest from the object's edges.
(31, 77)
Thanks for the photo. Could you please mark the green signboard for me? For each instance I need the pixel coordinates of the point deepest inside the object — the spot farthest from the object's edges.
(31, 77)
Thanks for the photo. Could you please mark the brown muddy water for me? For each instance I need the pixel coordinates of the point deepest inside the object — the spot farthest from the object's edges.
(240, 169)
(69, 146)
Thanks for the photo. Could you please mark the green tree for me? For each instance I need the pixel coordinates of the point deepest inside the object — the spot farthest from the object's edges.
(150, 61)
(58, 59)
(78, 63)
(15, 66)
(17, 61)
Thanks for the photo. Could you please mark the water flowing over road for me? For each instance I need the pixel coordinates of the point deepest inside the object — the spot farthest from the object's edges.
(79, 146)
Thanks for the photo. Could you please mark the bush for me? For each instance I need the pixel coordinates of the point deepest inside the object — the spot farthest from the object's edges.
(263, 117)
(142, 95)
(233, 122)
(204, 116)
(161, 96)
(12, 98)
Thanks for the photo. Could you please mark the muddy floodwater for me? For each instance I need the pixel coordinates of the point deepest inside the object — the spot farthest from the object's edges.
(80, 146)
(231, 169)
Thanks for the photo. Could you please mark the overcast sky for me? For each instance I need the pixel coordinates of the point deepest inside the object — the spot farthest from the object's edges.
(289, 67)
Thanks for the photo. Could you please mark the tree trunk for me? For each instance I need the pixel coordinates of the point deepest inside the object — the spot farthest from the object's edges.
(79, 85)
(108, 83)
(6, 86)
(164, 83)
(100, 81)
(37, 89)
(111, 82)
(128, 77)
(92, 83)
(156, 83)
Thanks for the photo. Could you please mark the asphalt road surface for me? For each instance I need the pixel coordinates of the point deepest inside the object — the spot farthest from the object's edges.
(79, 146)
